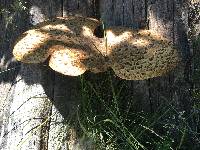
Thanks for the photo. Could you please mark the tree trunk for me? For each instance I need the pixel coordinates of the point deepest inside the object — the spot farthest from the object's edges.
(36, 102)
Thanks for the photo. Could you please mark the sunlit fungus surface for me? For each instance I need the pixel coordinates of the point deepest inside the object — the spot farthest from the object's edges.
(73, 48)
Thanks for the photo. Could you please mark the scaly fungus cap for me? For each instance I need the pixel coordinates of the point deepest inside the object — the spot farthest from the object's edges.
(35, 44)
(67, 60)
(141, 55)
(78, 58)
(73, 48)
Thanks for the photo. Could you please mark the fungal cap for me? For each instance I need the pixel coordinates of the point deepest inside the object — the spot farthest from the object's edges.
(146, 55)
(72, 25)
(34, 45)
(67, 60)
(31, 47)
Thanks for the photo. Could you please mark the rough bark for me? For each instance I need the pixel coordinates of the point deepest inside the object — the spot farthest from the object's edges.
(27, 111)
(36, 103)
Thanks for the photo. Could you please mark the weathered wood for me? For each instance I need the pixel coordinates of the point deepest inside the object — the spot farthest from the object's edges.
(9, 67)
(161, 20)
(29, 107)
(77, 7)
(26, 100)
(181, 39)
(165, 17)
(194, 34)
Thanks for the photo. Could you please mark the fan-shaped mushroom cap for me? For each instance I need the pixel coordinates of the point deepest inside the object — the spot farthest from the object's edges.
(82, 55)
(67, 60)
(97, 63)
(34, 45)
(141, 55)
(75, 61)
(133, 55)
(70, 26)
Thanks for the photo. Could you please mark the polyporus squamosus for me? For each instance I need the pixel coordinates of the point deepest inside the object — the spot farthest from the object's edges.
(140, 55)
(34, 46)
(73, 48)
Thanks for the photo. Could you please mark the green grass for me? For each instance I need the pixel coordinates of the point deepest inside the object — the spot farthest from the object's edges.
(110, 120)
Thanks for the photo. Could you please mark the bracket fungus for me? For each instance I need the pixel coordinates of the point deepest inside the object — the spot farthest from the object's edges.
(73, 48)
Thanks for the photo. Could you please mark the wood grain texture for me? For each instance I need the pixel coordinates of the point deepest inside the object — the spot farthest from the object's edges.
(181, 40)
(9, 68)
(134, 13)
(79, 7)
(129, 13)
(161, 20)
(167, 18)
(34, 94)
(29, 106)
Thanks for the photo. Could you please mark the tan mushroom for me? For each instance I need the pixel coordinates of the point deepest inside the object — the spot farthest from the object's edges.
(34, 45)
(132, 54)
(67, 60)
(140, 55)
